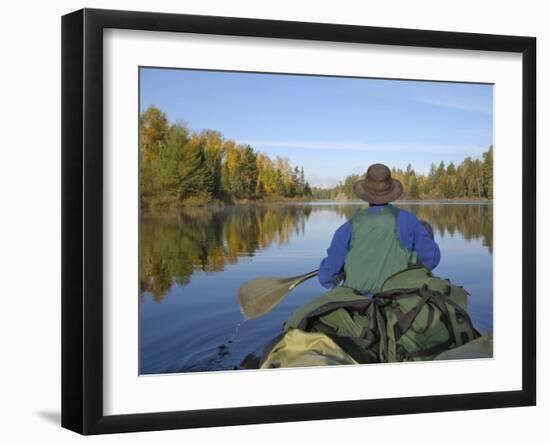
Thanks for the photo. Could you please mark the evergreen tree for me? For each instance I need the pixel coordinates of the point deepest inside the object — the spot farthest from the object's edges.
(414, 192)
(171, 159)
(460, 189)
(449, 189)
(193, 172)
(441, 169)
(451, 169)
(248, 173)
(213, 146)
(488, 172)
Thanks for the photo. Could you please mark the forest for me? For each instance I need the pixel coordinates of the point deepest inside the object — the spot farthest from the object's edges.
(180, 166)
(471, 179)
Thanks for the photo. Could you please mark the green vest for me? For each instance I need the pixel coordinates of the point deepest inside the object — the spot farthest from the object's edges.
(375, 250)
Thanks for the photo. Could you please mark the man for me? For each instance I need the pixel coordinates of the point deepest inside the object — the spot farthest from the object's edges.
(379, 241)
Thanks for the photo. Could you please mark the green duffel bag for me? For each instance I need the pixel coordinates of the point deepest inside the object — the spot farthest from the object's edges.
(414, 316)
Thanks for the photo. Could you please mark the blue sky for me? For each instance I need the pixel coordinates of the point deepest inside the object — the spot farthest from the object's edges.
(331, 126)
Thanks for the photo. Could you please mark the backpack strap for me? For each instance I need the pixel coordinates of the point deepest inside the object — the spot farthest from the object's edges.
(428, 297)
(360, 349)
(404, 321)
(359, 306)
(433, 350)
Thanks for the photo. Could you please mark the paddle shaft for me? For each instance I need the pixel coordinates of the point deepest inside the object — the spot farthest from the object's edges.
(302, 278)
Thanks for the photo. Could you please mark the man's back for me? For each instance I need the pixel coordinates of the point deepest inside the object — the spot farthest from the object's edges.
(375, 251)
(382, 240)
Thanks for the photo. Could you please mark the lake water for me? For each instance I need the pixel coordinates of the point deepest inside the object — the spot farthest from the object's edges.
(193, 261)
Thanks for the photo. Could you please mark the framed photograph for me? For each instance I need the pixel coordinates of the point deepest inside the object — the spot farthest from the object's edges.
(268, 221)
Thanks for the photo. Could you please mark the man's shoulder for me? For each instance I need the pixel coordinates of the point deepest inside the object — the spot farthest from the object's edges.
(405, 213)
(344, 227)
(407, 216)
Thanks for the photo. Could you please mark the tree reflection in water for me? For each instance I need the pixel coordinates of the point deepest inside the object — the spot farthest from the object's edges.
(175, 244)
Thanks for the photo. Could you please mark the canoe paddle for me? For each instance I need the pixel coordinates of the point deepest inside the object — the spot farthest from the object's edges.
(261, 295)
(258, 296)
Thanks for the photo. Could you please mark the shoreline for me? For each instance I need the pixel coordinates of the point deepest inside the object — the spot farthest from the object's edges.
(217, 202)
(169, 203)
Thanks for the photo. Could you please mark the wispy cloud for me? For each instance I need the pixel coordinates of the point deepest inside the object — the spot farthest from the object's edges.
(321, 181)
(467, 104)
(398, 147)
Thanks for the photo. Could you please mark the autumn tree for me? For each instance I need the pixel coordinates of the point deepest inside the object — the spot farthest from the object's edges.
(153, 128)
(176, 163)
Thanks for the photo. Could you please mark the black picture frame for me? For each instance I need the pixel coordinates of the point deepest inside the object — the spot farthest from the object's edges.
(82, 218)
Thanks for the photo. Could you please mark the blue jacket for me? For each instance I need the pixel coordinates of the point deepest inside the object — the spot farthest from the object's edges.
(412, 235)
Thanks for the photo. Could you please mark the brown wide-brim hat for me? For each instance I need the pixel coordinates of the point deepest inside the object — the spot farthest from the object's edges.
(378, 186)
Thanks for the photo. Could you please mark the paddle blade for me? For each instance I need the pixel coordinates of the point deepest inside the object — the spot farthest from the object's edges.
(260, 295)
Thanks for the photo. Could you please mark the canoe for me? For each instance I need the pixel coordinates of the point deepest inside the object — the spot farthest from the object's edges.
(481, 347)
(299, 349)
